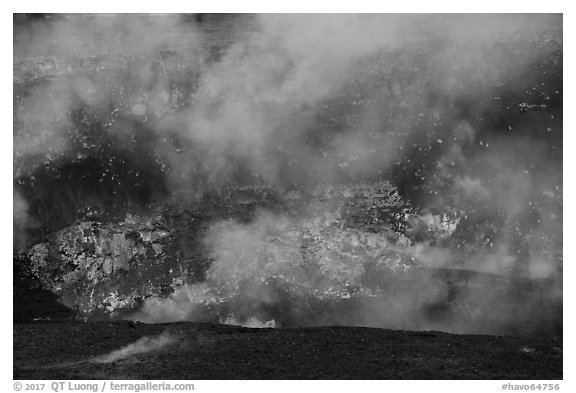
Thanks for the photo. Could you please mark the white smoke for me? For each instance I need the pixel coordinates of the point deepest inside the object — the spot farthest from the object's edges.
(313, 99)
(141, 346)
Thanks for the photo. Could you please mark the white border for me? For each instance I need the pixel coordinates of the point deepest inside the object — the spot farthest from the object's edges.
(230, 6)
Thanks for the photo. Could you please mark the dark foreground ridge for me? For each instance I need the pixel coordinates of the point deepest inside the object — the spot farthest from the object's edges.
(126, 350)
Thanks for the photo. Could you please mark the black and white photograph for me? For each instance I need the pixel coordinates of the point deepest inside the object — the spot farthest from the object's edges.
(287, 196)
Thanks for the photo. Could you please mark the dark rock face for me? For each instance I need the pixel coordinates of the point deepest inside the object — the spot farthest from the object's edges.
(101, 268)
(329, 255)
(89, 264)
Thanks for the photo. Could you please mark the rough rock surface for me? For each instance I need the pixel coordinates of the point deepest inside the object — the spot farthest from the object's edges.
(95, 266)
(195, 351)
(101, 268)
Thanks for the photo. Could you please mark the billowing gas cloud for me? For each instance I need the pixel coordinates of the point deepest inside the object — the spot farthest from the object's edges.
(462, 112)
